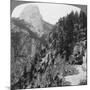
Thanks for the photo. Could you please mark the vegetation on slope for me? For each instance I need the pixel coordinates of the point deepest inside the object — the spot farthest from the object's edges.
(64, 45)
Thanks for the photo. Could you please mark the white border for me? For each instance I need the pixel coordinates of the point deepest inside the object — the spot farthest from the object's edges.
(62, 1)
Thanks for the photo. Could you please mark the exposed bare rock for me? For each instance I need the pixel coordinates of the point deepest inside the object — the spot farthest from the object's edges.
(31, 14)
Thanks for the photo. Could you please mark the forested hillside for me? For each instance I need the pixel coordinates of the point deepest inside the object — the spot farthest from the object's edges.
(46, 61)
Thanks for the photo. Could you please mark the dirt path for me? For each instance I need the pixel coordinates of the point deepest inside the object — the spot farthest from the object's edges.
(75, 79)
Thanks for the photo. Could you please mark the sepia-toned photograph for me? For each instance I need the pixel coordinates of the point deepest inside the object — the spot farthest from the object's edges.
(48, 44)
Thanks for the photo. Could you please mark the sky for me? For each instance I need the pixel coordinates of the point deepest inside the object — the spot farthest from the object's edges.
(49, 12)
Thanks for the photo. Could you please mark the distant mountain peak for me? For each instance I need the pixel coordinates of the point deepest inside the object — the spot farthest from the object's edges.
(31, 14)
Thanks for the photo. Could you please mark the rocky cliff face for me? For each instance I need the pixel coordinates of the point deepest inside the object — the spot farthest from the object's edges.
(31, 14)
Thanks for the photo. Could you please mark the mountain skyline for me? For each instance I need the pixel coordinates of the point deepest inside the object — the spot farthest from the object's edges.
(31, 14)
(49, 12)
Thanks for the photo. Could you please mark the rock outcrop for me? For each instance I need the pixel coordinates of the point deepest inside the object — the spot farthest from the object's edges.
(31, 14)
